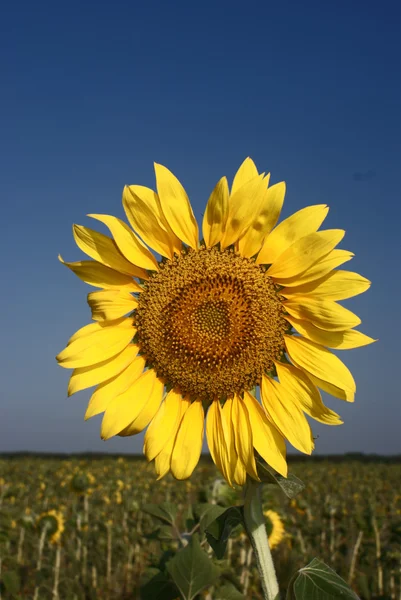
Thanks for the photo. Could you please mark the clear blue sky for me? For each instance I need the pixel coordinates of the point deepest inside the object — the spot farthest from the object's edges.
(93, 92)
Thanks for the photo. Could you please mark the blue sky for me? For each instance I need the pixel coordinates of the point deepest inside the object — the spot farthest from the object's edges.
(93, 93)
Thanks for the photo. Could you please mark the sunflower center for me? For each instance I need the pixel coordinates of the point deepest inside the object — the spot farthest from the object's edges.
(210, 323)
(211, 319)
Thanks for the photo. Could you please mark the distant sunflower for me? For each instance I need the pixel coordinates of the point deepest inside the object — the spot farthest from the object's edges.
(275, 528)
(81, 482)
(53, 521)
(252, 305)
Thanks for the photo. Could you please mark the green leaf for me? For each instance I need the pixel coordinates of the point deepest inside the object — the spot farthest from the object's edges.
(156, 586)
(163, 533)
(11, 582)
(192, 570)
(219, 530)
(291, 485)
(228, 592)
(189, 518)
(166, 511)
(207, 513)
(166, 533)
(317, 581)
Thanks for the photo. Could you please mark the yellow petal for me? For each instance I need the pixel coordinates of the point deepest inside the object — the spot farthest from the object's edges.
(340, 340)
(320, 362)
(303, 253)
(329, 388)
(111, 388)
(213, 434)
(233, 469)
(246, 172)
(164, 425)
(286, 415)
(217, 442)
(176, 206)
(239, 473)
(243, 206)
(215, 217)
(86, 377)
(305, 394)
(336, 285)
(323, 266)
(98, 275)
(243, 436)
(96, 347)
(264, 221)
(87, 330)
(104, 250)
(188, 443)
(163, 459)
(225, 441)
(267, 440)
(325, 314)
(125, 407)
(234, 466)
(143, 209)
(302, 223)
(108, 305)
(148, 411)
(128, 243)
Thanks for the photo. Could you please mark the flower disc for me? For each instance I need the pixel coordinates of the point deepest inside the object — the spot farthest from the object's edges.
(210, 323)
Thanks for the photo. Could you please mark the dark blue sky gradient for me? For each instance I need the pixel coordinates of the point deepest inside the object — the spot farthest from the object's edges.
(93, 93)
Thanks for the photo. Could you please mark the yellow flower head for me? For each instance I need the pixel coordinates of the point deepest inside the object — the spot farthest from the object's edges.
(249, 312)
(52, 522)
(275, 528)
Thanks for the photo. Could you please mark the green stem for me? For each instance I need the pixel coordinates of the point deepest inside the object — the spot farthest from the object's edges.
(256, 529)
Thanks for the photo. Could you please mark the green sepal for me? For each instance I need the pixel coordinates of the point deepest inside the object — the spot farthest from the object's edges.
(291, 485)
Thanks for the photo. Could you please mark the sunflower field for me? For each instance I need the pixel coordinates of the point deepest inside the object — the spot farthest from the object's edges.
(103, 527)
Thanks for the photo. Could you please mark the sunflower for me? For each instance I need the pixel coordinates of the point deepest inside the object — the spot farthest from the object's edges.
(238, 326)
(81, 482)
(53, 522)
(275, 528)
